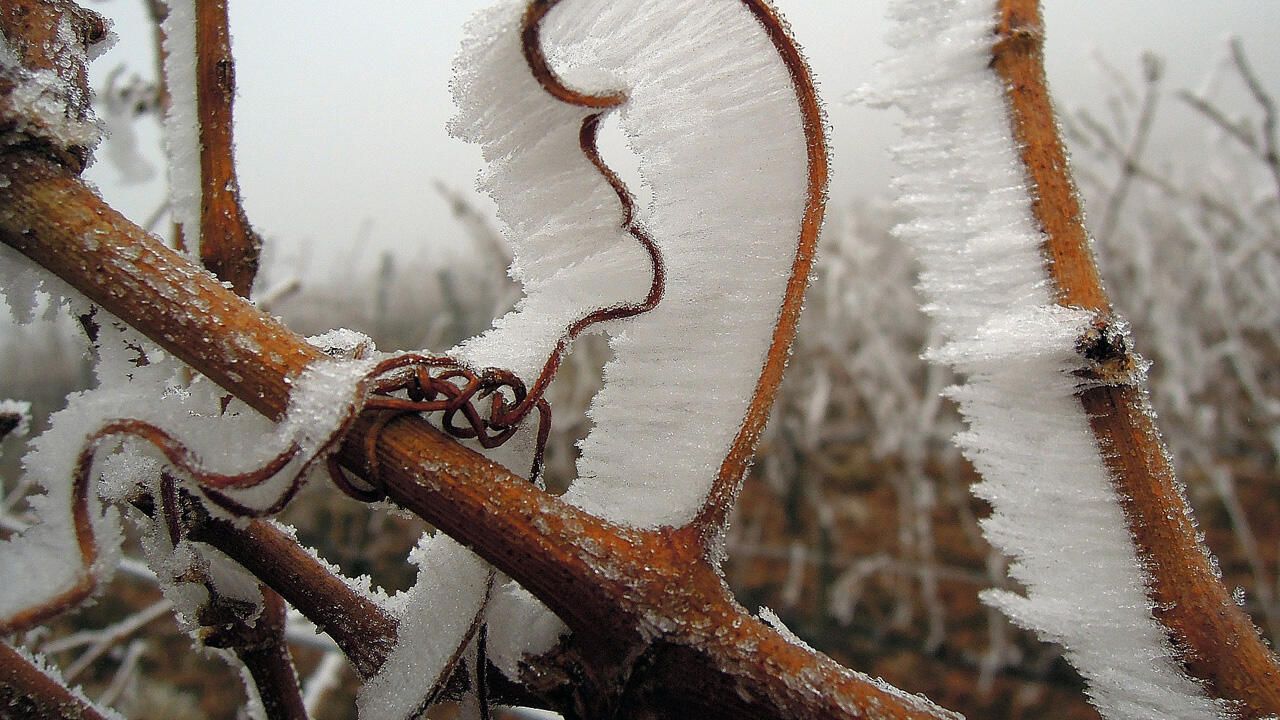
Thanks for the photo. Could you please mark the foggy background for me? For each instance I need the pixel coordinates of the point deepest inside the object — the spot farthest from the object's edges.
(342, 105)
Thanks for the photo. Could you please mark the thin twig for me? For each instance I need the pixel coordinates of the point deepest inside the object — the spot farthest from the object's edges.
(1132, 156)
(26, 691)
(323, 680)
(259, 644)
(229, 247)
(103, 640)
(1264, 99)
(124, 673)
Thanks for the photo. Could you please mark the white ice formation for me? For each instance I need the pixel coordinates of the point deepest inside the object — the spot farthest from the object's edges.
(1055, 507)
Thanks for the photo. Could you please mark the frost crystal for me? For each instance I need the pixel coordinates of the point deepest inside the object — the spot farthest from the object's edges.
(770, 618)
(31, 292)
(703, 80)
(45, 105)
(436, 619)
(1055, 508)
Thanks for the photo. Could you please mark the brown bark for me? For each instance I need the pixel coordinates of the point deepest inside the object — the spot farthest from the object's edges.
(229, 247)
(261, 647)
(26, 692)
(1220, 644)
(360, 628)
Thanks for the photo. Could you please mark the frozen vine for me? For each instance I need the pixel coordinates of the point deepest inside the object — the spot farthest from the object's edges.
(1056, 509)
(534, 80)
(159, 442)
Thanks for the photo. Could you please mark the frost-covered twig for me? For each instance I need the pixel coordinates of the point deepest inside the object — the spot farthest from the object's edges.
(1060, 427)
(259, 643)
(28, 690)
(44, 93)
(1266, 145)
(199, 81)
(323, 680)
(361, 629)
(1223, 647)
(102, 640)
(128, 666)
(1132, 154)
(15, 418)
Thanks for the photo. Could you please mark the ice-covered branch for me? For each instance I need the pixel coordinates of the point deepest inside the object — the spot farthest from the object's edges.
(593, 575)
(258, 641)
(28, 689)
(1059, 425)
(1220, 643)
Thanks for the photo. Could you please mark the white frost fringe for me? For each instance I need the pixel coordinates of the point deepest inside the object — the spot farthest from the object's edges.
(435, 618)
(1055, 508)
(713, 117)
(704, 83)
(182, 121)
(229, 440)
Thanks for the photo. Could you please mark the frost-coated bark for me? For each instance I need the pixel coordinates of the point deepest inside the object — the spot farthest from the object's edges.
(1056, 511)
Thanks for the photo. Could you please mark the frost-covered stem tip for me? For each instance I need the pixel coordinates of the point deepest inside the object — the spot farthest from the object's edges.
(1220, 644)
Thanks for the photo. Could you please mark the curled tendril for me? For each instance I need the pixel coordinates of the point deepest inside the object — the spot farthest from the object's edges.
(404, 384)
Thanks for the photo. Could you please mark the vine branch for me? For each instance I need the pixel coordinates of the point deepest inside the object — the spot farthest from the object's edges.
(611, 585)
(26, 691)
(229, 247)
(1220, 643)
(626, 594)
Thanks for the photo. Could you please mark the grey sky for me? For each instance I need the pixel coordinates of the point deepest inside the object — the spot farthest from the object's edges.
(342, 104)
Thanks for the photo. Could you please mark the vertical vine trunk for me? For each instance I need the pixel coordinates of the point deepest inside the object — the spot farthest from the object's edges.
(229, 247)
(1221, 645)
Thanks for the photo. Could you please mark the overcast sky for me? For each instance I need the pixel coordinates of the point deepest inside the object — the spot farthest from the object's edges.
(342, 104)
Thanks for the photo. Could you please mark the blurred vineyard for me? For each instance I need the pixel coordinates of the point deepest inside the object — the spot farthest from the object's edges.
(856, 524)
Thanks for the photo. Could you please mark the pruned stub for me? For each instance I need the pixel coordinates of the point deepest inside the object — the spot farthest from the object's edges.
(1105, 349)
